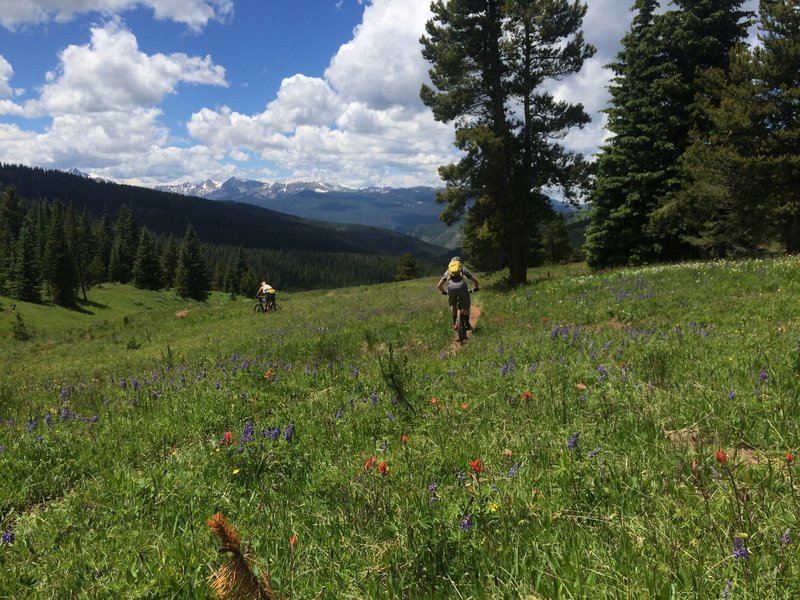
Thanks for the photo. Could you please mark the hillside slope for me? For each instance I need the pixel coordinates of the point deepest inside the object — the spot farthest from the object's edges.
(217, 222)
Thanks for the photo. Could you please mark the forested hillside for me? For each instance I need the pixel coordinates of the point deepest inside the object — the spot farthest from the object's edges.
(223, 223)
(51, 252)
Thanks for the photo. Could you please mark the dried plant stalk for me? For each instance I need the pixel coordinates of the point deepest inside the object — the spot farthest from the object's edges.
(234, 579)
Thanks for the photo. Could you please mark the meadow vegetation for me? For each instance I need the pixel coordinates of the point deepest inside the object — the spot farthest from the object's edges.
(623, 434)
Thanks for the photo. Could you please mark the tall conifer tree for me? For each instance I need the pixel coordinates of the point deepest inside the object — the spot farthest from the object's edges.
(191, 275)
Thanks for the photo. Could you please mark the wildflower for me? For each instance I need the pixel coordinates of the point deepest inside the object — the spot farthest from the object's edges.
(236, 471)
(374, 398)
(739, 549)
(513, 470)
(385, 446)
(432, 488)
(288, 434)
(507, 453)
(464, 406)
(731, 394)
(476, 466)
(527, 395)
(370, 463)
(404, 439)
(466, 522)
(247, 432)
(695, 465)
(434, 401)
(593, 453)
(785, 538)
(216, 385)
(461, 475)
(789, 458)
(8, 537)
(355, 373)
(272, 433)
(602, 371)
(268, 374)
(31, 425)
(721, 456)
(493, 507)
(572, 442)
(389, 415)
(293, 540)
(726, 593)
(383, 468)
(580, 386)
(762, 375)
(227, 438)
(339, 413)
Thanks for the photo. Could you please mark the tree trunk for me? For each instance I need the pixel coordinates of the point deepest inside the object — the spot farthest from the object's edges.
(793, 235)
(518, 267)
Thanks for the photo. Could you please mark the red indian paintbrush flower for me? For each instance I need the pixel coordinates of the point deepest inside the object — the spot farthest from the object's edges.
(475, 465)
(383, 468)
(404, 439)
(527, 395)
(721, 456)
(789, 458)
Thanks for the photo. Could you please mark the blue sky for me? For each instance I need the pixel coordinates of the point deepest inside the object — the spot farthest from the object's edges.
(164, 91)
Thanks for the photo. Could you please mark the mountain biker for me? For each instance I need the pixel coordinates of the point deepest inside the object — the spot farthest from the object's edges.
(455, 279)
(266, 293)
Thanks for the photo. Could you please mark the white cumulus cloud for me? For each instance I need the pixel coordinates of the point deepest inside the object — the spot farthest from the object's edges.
(193, 13)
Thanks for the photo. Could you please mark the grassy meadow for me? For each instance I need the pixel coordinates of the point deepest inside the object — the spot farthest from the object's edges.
(626, 434)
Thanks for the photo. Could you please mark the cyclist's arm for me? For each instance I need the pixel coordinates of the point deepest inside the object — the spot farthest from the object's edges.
(475, 282)
(441, 284)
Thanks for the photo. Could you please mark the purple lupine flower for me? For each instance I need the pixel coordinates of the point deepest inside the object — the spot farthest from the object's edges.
(731, 394)
(593, 453)
(48, 418)
(461, 475)
(739, 549)
(288, 434)
(135, 384)
(385, 446)
(389, 415)
(466, 522)
(395, 401)
(123, 384)
(8, 537)
(532, 367)
(272, 433)
(374, 397)
(572, 442)
(216, 385)
(602, 371)
(504, 370)
(31, 425)
(785, 538)
(339, 413)
(726, 593)
(240, 449)
(432, 488)
(513, 470)
(247, 432)
(355, 373)
(762, 375)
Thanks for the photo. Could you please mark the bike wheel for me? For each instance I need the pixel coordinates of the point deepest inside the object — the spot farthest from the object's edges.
(462, 329)
(258, 308)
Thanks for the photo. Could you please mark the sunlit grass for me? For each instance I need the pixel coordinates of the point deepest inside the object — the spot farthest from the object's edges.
(569, 449)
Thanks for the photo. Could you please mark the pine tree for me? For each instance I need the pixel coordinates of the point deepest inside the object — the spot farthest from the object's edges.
(58, 265)
(146, 267)
(123, 248)
(407, 267)
(191, 274)
(555, 241)
(491, 60)
(12, 213)
(26, 277)
(654, 94)
(169, 262)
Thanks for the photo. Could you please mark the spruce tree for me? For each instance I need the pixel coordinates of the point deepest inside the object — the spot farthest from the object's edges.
(657, 84)
(26, 276)
(169, 262)
(146, 266)
(191, 275)
(58, 264)
(123, 248)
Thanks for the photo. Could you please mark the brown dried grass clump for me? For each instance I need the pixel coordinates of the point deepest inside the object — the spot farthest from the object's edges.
(234, 579)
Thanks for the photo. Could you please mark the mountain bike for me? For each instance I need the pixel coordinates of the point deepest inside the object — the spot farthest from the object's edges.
(263, 306)
(461, 324)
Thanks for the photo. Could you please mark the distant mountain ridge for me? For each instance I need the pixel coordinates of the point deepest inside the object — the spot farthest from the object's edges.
(229, 222)
(411, 211)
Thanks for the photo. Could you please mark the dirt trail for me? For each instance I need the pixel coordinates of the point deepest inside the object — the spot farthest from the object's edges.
(474, 315)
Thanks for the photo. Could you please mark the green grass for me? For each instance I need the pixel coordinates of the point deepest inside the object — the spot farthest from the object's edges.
(113, 420)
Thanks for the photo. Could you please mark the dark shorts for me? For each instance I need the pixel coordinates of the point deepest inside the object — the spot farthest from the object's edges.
(456, 290)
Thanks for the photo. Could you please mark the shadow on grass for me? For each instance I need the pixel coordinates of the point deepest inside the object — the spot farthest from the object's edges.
(85, 306)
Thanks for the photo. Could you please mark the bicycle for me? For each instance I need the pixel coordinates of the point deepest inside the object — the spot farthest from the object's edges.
(262, 306)
(461, 324)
